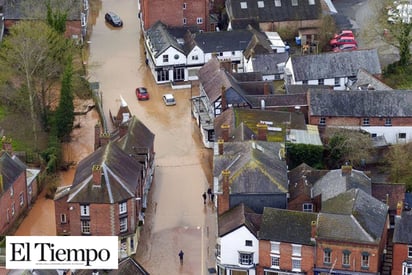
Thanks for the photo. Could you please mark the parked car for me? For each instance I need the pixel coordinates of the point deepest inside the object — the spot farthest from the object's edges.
(344, 33)
(169, 99)
(342, 40)
(142, 93)
(113, 19)
(345, 48)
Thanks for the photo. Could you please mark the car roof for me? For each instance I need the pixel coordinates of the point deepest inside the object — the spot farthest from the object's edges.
(168, 96)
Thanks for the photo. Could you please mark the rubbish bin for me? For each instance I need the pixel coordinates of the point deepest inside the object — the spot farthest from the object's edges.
(298, 41)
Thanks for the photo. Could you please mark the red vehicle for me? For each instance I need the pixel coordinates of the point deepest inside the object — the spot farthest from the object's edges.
(344, 33)
(345, 48)
(142, 93)
(342, 40)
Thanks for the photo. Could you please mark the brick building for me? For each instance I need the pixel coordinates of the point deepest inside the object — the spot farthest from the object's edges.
(402, 243)
(175, 13)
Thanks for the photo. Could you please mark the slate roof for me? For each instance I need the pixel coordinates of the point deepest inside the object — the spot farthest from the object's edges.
(138, 137)
(353, 216)
(277, 100)
(161, 39)
(237, 217)
(223, 41)
(393, 103)
(10, 170)
(120, 174)
(402, 232)
(331, 65)
(27, 9)
(304, 88)
(127, 266)
(287, 12)
(255, 167)
(335, 182)
(298, 225)
(268, 63)
(366, 81)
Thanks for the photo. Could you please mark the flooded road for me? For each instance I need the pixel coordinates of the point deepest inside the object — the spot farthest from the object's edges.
(176, 218)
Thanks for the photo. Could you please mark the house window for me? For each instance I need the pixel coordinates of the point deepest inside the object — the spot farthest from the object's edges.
(243, 5)
(374, 135)
(123, 224)
(184, 21)
(275, 247)
(84, 210)
(307, 207)
(30, 189)
(402, 135)
(176, 57)
(275, 262)
(184, 6)
(199, 20)
(233, 53)
(63, 218)
(11, 191)
(278, 3)
(327, 256)
(365, 121)
(245, 258)
(165, 58)
(296, 250)
(294, 2)
(346, 258)
(195, 57)
(218, 250)
(296, 264)
(388, 121)
(261, 4)
(337, 81)
(365, 260)
(85, 227)
(249, 243)
(304, 82)
(322, 120)
(122, 208)
(132, 244)
(311, 2)
(21, 199)
(221, 54)
(321, 81)
(410, 251)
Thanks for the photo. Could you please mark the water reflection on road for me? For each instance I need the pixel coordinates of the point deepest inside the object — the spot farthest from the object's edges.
(175, 217)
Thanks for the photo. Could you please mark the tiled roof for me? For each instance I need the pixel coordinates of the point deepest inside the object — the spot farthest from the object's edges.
(223, 41)
(236, 217)
(10, 170)
(268, 63)
(266, 11)
(392, 103)
(161, 39)
(120, 175)
(305, 175)
(353, 216)
(138, 137)
(403, 232)
(278, 100)
(331, 65)
(282, 225)
(255, 167)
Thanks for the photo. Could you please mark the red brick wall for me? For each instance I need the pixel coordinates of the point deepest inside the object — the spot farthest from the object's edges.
(355, 256)
(307, 257)
(6, 202)
(400, 254)
(61, 207)
(171, 12)
(355, 121)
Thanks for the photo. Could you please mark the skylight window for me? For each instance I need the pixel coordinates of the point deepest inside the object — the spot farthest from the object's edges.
(261, 4)
(243, 5)
(294, 2)
(278, 3)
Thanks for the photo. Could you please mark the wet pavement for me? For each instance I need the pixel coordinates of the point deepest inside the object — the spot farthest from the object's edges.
(176, 218)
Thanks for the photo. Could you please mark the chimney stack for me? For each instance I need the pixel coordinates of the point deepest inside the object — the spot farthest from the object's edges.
(313, 232)
(266, 89)
(97, 131)
(104, 139)
(97, 174)
(220, 144)
(225, 132)
(262, 131)
(223, 95)
(346, 170)
(123, 129)
(223, 199)
(399, 207)
(7, 145)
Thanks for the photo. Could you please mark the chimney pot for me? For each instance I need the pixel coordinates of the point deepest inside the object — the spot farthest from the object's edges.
(399, 208)
(313, 230)
(262, 131)
(346, 170)
(220, 144)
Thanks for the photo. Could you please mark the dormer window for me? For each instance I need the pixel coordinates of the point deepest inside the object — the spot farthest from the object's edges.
(294, 2)
(278, 3)
(243, 5)
(84, 210)
(261, 4)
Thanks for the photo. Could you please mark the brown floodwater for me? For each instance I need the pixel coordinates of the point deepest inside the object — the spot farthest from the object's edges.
(176, 216)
